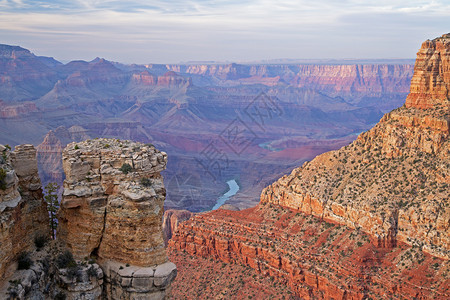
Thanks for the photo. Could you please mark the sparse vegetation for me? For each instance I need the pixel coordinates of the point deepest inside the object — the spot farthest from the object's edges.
(2, 179)
(65, 260)
(24, 261)
(126, 168)
(146, 182)
(39, 241)
(51, 198)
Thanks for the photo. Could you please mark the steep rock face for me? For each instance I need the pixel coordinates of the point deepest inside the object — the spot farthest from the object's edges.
(393, 180)
(16, 111)
(368, 220)
(353, 82)
(116, 215)
(23, 213)
(314, 258)
(144, 78)
(49, 155)
(431, 81)
(23, 75)
(49, 152)
(172, 218)
(173, 80)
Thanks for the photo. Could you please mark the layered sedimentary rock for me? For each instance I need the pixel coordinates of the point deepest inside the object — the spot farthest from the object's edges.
(23, 213)
(23, 76)
(393, 180)
(172, 218)
(173, 80)
(49, 152)
(112, 208)
(370, 220)
(18, 110)
(352, 81)
(431, 81)
(314, 258)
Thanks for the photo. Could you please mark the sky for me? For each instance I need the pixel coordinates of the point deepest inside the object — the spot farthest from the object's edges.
(173, 31)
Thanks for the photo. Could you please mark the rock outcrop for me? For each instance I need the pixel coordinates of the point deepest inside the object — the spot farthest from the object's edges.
(49, 152)
(430, 84)
(370, 220)
(23, 76)
(172, 218)
(392, 182)
(315, 259)
(23, 213)
(353, 82)
(112, 209)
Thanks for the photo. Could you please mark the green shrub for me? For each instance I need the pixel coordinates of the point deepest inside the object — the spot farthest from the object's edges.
(65, 260)
(40, 240)
(24, 261)
(2, 179)
(146, 182)
(76, 147)
(126, 168)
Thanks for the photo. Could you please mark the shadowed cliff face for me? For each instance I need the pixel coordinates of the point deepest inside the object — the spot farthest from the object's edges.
(374, 213)
(22, 209)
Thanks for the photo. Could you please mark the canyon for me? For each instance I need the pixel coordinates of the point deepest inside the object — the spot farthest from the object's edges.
(369, 220)
(109, 241)
(287, 114)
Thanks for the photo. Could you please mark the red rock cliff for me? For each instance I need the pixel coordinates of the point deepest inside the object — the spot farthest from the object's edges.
(431, 81)
(386, 194)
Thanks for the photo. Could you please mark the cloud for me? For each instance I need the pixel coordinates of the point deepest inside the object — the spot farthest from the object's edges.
(171, 31)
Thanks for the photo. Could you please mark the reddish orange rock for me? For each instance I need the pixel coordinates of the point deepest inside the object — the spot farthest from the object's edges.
(431, 79)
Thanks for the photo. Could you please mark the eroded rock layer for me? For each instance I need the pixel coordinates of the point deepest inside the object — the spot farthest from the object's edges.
(315, 258)
(370, 220)
(112, 208)
(23, 214)
(431, 80)
(393, 180)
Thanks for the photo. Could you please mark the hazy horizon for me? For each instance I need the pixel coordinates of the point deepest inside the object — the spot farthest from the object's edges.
(144, 32)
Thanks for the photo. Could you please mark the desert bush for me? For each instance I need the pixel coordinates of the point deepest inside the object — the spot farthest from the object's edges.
(65, 260)
(24, 261)
(126, 168)
(40, 240)
(2, 179)
(146, 182)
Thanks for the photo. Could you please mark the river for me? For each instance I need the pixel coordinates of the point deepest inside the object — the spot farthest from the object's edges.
(233, 189)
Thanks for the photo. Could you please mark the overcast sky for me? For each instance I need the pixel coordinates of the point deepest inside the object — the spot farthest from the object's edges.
(170, 31)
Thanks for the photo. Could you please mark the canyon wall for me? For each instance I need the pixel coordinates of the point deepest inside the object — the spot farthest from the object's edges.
(370, 220)
(112, 209)
(392, 182)
(171, 220)
(23, 213)
(351, 81)
(313, 258)
(431, 81)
